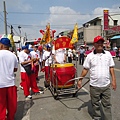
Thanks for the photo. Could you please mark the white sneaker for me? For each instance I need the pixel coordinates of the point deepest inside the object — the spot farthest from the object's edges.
(28, 97)
(20, 87)
(40, 92)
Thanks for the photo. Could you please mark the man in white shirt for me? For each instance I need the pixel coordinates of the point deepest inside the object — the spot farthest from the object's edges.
(60, 56)
(8, 90)
(101, 65)
(41, 51)
(70, 56)
(47, 61)
(35, 54)
(28, 80)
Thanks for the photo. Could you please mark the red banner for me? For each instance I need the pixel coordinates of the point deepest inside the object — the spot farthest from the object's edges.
(106, 21)
(63, 42)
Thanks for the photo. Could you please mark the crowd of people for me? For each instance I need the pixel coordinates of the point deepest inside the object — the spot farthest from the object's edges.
(36, 58)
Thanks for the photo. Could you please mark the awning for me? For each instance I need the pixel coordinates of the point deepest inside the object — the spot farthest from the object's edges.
(115, 37)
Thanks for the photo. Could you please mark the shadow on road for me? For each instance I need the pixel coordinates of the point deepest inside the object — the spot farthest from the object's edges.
(88, 105)
(22, 108)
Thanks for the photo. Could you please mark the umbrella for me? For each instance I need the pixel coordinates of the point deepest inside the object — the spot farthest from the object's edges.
(115, 37)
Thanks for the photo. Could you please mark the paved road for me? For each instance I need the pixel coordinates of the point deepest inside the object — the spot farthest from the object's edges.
(45, 107)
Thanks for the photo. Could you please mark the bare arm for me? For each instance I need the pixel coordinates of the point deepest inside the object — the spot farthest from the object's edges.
(65, 58)
(83, 74)
(26, 62)
(114, 86)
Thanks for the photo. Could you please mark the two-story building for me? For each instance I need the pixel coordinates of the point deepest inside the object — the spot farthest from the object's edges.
(95, 27)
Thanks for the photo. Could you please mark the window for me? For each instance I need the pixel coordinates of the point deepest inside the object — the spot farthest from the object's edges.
(95, 23)
(115, 22)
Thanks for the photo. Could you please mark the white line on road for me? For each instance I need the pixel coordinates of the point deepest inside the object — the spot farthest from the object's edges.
(85, 90)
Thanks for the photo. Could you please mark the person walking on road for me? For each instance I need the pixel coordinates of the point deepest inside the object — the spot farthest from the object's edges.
(8, 90)
(47, 61)
(28, 80)
(81, 55)
(101, 65)
(70, 56)
(35, 54)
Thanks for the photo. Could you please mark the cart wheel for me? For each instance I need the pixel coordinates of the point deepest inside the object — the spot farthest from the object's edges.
(75, 95)
(46, 84)
(56, 97)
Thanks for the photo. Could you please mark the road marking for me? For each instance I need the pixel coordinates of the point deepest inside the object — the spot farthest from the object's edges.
(117, 69)
(85, 90)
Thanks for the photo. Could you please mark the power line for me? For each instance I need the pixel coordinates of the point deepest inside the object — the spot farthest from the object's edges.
(51, 13)
(58, 13)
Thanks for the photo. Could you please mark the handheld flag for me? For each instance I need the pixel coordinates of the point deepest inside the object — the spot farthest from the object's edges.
(10, 37)
(75, 35)
(46, 35)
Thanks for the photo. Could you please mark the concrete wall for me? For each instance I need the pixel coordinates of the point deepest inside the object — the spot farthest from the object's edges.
(91, 32)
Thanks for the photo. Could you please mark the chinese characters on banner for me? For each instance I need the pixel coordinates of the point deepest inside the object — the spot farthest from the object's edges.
(106, 21)
(63, 42)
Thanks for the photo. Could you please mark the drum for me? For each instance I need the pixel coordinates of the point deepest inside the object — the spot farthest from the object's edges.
(60, 74)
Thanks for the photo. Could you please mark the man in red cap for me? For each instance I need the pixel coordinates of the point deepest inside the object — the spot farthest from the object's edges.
(8, 90)
(101, 66)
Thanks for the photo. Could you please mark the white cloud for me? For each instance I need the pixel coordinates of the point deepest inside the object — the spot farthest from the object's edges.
(64, 18)
(99, 11)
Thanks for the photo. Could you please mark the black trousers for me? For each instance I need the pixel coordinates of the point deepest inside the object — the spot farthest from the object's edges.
(69, 60)
(81, 59)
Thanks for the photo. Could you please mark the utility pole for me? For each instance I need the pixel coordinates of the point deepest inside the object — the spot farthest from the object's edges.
(19, 27)
(11, 28)
(5, 22)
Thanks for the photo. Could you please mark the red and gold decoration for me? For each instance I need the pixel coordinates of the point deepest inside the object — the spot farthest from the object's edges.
(63, 42)
(106, 21)
(48, 35)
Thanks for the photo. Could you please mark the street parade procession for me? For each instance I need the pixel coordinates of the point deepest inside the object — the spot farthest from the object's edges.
(54, 59)
(69, 76)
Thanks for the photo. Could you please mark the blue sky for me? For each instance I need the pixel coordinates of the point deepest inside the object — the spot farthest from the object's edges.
(33, 15)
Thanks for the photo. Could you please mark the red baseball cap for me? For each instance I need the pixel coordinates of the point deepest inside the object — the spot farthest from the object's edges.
(40, 48)
(98, 38)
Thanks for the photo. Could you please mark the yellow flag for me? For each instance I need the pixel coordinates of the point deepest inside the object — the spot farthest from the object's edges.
(10, 37)
(75, 34)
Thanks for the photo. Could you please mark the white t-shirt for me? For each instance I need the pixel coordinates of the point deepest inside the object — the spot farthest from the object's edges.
(60, 55)
(70, 54)
(35, 54)
(45, 56)
(22, 58)
(99, 65)
(8, 61)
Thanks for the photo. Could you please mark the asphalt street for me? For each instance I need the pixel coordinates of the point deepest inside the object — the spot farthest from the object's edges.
(45, 107)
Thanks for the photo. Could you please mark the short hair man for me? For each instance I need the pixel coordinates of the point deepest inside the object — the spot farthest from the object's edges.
(8, 90)
(101, 65)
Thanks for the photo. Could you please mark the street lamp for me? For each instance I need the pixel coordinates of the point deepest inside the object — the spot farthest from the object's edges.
(19, 27)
